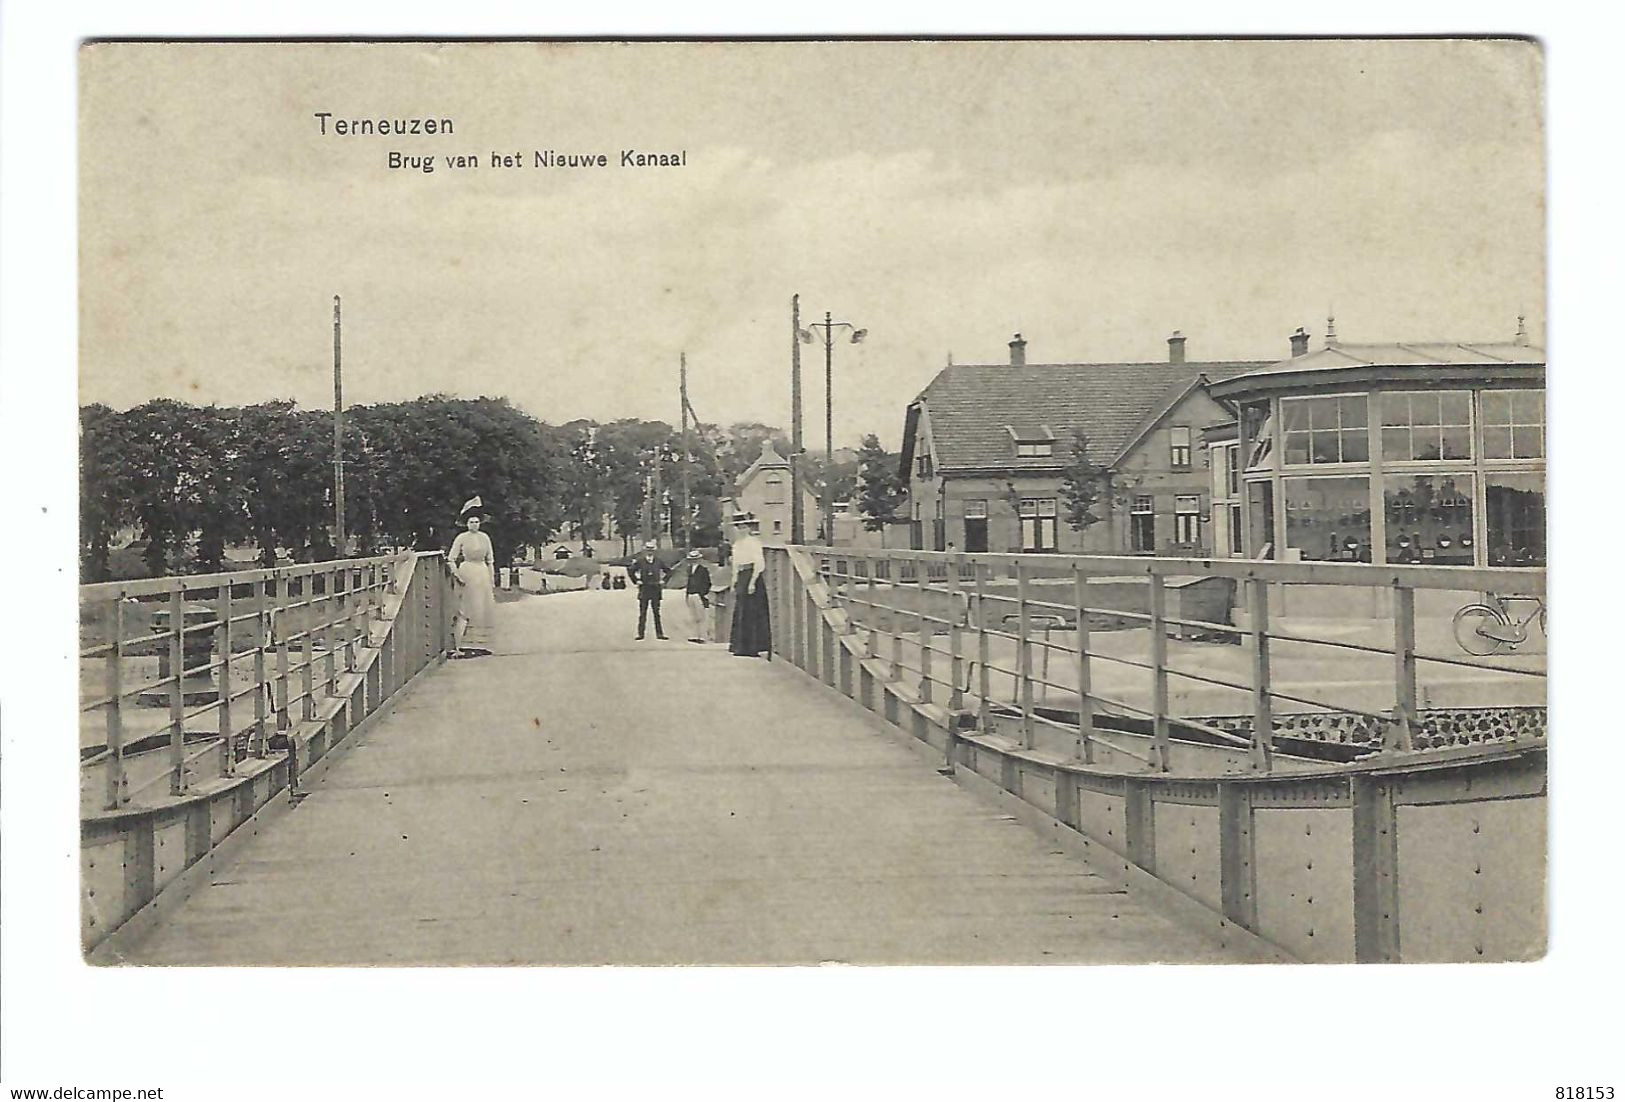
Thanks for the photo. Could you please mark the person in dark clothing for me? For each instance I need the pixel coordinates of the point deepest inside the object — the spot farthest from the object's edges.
(649, 576)
(697, 597)
(752, 629)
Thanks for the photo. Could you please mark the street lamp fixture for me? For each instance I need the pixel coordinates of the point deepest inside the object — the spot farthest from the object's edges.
(856, 335)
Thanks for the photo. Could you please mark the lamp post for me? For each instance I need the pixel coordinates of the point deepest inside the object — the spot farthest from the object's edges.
(829, 326)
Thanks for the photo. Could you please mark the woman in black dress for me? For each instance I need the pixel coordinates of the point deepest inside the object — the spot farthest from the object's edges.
(752, 637)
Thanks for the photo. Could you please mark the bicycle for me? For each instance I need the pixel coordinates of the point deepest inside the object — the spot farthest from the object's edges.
(1492, 627)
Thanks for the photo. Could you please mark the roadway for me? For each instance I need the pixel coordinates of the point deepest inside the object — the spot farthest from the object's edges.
(582, 798)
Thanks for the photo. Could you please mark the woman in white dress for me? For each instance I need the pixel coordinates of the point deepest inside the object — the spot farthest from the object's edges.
(472, 564)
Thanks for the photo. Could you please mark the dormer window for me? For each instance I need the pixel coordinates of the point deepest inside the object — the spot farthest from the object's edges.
(1032, 441)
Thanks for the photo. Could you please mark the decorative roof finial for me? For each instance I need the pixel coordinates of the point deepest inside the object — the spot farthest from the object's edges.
(1523, 334)
(1331, 328)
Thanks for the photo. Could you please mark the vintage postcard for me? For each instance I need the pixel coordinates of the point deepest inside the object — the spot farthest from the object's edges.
(880, 502)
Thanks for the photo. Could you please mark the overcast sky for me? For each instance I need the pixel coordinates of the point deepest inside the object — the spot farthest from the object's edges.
(1094, 196)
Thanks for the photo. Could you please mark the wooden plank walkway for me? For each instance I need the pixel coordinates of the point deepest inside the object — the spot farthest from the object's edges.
(581, 798)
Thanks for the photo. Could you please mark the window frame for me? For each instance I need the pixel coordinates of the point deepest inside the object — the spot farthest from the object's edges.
(1179, 455)
(1363, 430)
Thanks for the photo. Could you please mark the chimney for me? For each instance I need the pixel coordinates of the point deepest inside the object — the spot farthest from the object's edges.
(1522, 337)
(1176, 348)
(1018, 352)
(1300, 342)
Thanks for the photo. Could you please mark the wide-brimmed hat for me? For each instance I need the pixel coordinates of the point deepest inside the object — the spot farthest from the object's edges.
(649, 545)
(694, 554)
(473, 505)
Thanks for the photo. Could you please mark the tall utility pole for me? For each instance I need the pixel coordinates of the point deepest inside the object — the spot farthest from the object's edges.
(338, 437)
(829, 433)
(682, 388)
(828, 325)
(797, 524)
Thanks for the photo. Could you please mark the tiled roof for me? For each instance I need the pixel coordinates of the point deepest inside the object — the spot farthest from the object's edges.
(969, 406)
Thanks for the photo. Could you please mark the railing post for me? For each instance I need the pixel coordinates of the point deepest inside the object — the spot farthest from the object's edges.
(228, 754)
(1159, 674)
(262, 684)
(871, 649)
(923, 584)
(956, 637)
(1024, 656)
(279, 636)
(894, 614)
(330, 583)
(1400, 733)
(118, 784)
(1262, 749)
(1086, 715)
(307, 668)
(984, 654)
(177, 708)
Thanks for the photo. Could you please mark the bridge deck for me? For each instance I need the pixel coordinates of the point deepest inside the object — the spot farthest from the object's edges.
(581, 798)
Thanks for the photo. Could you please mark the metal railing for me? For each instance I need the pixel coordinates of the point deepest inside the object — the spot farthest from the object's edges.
(242, 657)
(1081, 644)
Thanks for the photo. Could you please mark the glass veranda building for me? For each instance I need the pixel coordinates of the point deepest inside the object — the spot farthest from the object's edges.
(1427, 453)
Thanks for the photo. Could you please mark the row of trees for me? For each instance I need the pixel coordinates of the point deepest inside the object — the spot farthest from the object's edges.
(195, 480)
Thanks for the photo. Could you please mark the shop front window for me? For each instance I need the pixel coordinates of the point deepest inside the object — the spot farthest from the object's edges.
(1423, 426)
(1515, 518)
(1429, 519)
(1514, 424)
(1328, 519)
(1324, 430)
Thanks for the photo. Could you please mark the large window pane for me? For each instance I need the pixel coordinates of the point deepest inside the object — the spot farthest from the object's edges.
(1325, 430)
(1514, 424)
(1515, 519)
(1427, 426)
(1429, 519)
(1328, 519)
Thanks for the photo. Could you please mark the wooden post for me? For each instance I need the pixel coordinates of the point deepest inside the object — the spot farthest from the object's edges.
(1086, 715)
(228, 757)
(279, 635)
(1258, 616)
(893, 615)
(922, 583)
(984, 653)
(1159, 674)
(307, 668)
(871, 591)
(1024, 656)
(1400, 734)
(118, 785)
(262, 627)
(956, 637)
(330, 583)
(177, 709)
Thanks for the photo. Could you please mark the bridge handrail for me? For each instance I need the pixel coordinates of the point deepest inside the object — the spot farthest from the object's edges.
(251, 622)
(926, 594)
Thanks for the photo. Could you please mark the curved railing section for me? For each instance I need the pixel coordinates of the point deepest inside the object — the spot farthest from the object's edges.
(203, 697)
(1337, 762)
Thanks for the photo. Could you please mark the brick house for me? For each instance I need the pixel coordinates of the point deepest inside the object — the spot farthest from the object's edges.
(985, 448)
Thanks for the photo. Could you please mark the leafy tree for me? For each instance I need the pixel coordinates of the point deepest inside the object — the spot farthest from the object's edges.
(1084, 485)
(882, 491)
(167, 462)
(104, 488)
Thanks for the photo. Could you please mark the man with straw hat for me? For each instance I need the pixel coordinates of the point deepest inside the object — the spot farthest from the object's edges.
(649, 576)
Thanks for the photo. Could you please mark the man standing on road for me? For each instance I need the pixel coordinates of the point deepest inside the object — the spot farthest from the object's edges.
(648, 575)
(697, 596)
